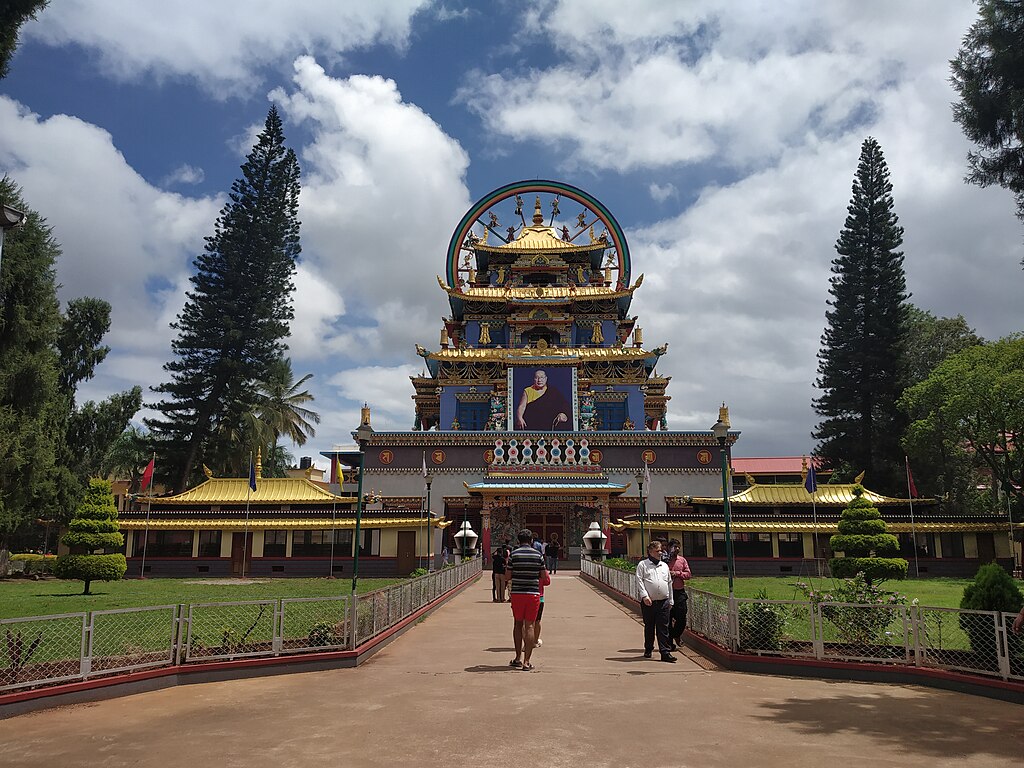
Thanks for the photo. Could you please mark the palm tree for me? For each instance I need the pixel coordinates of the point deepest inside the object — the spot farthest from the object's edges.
(128, 455)
(280, 406)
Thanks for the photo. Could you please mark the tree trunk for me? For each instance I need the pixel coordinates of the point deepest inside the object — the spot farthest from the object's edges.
(86, 590)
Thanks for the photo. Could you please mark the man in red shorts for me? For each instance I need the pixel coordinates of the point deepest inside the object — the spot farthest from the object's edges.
(524, 572)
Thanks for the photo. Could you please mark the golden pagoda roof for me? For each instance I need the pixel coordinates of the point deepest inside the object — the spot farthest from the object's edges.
(801, 526)
(787, 495)
(538, 292)
(540, 238)
(235, 490)
(264, 524)
(568, 353)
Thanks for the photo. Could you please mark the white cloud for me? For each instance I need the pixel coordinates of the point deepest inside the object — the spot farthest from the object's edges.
(662, 192)
(386, 389)
(184, 174)
(223, 46)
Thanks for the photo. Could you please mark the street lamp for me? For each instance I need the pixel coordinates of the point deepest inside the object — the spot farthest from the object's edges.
(428, 479)
(593, 541)
(362, 436)
(721, 432)
(466, 539)
(643, 513)
(9, 219)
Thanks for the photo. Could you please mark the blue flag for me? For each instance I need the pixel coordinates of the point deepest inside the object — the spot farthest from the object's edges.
(811, 483)
(252, 474)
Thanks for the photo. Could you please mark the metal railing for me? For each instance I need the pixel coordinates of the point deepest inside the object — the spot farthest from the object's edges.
(977, 642)
(43, 650)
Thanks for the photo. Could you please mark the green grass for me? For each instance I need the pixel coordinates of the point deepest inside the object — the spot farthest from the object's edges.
(935, 592)
(22, 597)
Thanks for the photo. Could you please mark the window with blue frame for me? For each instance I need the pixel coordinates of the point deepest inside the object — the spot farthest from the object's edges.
(611, 415)
(473, 415)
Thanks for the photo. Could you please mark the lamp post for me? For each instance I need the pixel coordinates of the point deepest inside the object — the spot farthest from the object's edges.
(9, 219)
(593, 541)
(362, 437)
(643, 514)
(428, 479)
(721, 433)
(466, 538)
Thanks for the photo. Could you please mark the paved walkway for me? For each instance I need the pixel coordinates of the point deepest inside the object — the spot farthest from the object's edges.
(443, 695)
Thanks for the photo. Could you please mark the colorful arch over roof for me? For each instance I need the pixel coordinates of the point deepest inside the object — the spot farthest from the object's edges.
(618, 238)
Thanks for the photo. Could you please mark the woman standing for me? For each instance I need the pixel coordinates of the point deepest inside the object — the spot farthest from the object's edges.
(498, 563)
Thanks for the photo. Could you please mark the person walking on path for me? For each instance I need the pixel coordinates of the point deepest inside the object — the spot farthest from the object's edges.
(498, 565)
(655, 586)
(551, 553)
(680, 570)
(524, 573)
(545, 581)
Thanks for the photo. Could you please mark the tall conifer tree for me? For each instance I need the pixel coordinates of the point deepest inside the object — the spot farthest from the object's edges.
(861, 366)
(236, 316)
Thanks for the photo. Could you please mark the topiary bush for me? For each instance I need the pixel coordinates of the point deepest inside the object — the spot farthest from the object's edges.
(993, 589)
(864, 542)
(93, 528)
(620, 563)
(762, 624)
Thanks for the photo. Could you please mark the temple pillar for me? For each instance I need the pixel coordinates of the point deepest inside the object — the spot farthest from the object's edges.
(485, 533)
(606, 524)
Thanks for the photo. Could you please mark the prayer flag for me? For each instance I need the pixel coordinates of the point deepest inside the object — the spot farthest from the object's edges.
(252, 474)
(911, 488)
(647, 480)
(424, 465)
(811, 483)
(147, 474)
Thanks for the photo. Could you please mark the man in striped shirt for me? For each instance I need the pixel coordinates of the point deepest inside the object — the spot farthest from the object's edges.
(524, 572)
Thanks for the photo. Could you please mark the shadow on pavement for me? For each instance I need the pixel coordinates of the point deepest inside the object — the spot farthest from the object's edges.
(937, 730)
(491, 668)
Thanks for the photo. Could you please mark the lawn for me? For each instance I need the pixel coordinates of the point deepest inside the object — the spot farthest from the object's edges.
(934, 592)
(23, 597)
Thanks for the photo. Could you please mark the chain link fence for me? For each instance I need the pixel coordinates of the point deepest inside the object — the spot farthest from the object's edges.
(43, 650)
(977, 642)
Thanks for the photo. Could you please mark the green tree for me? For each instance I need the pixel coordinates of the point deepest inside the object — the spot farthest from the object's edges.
(281, 409)
(941, 466)
(93, 428)
(31, 409)
(236, 315)
(862, 538)
(128, 456)
(79, 343)
(861, 366)
(93, 530)
(988, 73)
(14, 13)
(973, 402)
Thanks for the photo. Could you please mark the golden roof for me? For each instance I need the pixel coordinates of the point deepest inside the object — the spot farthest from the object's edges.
(569, 353)
(800, 526)
(235, 490)
(527, 292)
(542, 239)
(786, 495)
(264, 524)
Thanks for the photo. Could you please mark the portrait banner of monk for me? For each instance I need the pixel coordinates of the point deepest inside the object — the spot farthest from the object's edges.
(542, 399)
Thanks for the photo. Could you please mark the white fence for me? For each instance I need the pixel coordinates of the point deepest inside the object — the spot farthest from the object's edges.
(978, 642)
(42, 650)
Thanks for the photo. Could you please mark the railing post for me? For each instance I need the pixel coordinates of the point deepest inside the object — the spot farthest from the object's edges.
(85, 661)
(278, 642)
(734, 624)
(915, 627)
(1002, 642)
(818, 630)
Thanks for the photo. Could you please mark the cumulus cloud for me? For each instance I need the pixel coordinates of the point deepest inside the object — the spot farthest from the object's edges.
(223, 46)
(184, 174)
(662, 192)
(124, 240)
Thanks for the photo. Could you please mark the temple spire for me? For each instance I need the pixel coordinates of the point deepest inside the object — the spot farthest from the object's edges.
(538, 217)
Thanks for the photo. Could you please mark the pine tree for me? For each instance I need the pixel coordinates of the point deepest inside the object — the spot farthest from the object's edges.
(31, 407)
(94, 527)
(861, 365)
(236, 316)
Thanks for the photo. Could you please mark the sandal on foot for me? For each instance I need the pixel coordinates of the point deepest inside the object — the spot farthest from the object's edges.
(527, 667)
(516, 663)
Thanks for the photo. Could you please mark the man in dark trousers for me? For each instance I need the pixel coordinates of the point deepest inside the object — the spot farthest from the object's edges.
(654, 583)
(680, 570)
(525, 571)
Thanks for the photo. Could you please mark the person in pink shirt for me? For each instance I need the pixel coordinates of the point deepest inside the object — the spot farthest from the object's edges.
(680, 571)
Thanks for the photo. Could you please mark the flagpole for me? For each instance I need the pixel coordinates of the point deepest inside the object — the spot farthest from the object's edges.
(814, 518)
(913, 529)
(419, 560)
(248, 495)
(145, 535)
(334, 515)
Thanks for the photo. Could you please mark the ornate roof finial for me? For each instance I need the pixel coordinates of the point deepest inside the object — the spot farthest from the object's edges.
(364, 416)
(723, 415)
(259, 463)
(803, 469)
(538, 217)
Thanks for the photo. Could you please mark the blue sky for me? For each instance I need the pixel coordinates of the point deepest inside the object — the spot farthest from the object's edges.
(723, 137)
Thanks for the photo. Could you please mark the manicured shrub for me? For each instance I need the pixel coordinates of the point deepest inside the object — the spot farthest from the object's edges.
(993, 589)
(762, 624)
(92, 530)
(865, 544)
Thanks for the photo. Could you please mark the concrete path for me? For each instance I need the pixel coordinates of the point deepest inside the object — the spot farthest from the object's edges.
(444, 695)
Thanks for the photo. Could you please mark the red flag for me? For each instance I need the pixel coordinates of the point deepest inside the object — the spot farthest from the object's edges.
(147, 474)
(911, 488)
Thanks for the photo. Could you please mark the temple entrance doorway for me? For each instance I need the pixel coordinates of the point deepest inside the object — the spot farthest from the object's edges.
(566, 520)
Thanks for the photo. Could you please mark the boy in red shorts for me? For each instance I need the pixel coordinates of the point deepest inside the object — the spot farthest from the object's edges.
(524, 573)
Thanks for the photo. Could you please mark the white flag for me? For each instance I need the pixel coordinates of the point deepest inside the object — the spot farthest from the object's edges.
(647, 480)
(424, 465)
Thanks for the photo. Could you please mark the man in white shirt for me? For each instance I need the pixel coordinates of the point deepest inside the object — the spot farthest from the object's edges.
(655, 585)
